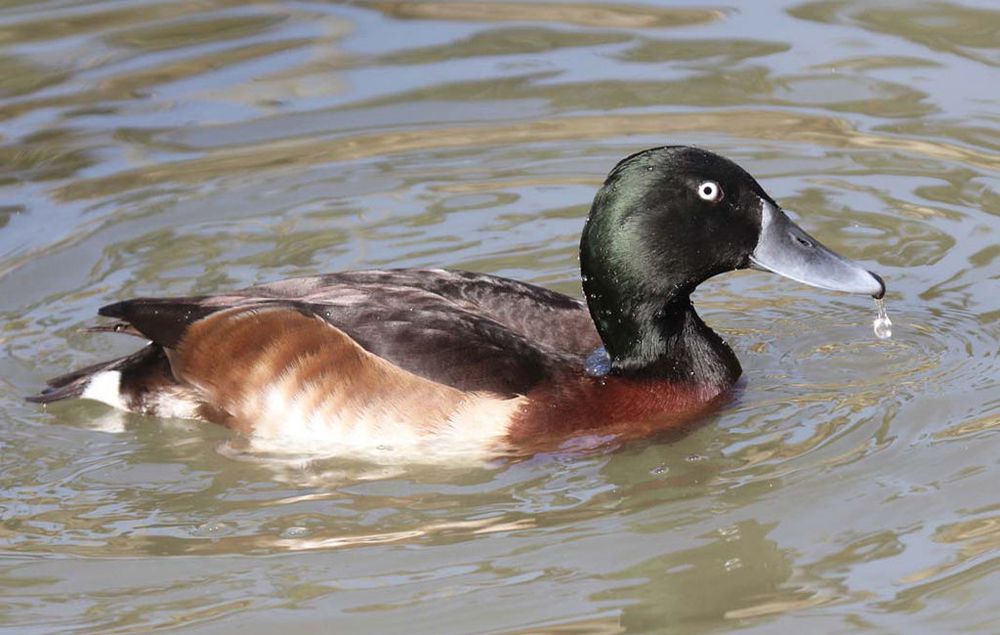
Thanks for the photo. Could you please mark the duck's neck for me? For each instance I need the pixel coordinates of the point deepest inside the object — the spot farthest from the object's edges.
(663, 341)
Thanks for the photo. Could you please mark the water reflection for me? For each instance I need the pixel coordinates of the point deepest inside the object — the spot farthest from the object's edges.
(502, 41)
(606, 15)
(737, 573)
(942, 26)
(176, 148)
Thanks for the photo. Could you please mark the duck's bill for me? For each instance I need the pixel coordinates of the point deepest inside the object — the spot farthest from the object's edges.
(786, 249)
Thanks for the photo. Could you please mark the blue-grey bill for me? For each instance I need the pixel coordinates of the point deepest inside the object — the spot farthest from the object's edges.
(787, 250)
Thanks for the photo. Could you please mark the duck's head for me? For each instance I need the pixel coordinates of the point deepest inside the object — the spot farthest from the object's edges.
(668, 219)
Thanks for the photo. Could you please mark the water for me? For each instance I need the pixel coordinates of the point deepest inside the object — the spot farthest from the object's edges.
(174, 147)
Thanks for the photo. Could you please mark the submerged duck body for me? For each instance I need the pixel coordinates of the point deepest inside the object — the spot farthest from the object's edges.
(415, 356)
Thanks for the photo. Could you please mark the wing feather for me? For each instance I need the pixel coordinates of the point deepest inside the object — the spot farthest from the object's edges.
(467, 331)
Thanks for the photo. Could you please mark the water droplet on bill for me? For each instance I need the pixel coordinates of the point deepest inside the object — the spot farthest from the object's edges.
(882, 323)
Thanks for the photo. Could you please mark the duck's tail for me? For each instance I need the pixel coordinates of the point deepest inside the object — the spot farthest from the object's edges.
(124, 382)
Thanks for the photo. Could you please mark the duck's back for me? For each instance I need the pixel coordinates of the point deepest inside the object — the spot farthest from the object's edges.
(468, 331)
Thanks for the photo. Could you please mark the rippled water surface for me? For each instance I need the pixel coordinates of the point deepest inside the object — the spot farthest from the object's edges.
(161, 148)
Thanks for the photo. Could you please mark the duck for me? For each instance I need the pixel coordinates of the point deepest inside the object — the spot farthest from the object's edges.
(432, 358)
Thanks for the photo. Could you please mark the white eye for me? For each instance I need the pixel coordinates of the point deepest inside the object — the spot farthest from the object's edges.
(710, 191)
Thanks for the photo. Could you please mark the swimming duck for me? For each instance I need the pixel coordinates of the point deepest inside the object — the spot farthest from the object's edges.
(411, 356)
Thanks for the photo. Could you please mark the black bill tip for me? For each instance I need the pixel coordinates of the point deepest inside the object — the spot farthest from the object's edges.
(881, 284)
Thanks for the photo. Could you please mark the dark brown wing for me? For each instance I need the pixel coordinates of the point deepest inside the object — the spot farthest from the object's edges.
(540, 315)
(468, 331)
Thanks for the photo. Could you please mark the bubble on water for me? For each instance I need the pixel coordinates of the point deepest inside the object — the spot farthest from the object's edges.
(211, 529)
(295, 531)
(659, 470)
(882, 323)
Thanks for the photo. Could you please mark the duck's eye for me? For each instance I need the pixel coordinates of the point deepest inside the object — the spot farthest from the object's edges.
(710, 191)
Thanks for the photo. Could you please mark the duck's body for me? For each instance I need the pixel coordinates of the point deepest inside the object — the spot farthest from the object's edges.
(406, 357)
(370, 358)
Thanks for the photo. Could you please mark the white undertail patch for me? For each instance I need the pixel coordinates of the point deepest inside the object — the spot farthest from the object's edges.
(105, 387)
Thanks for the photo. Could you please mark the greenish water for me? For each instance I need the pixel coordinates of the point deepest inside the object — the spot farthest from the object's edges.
(164, 148)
